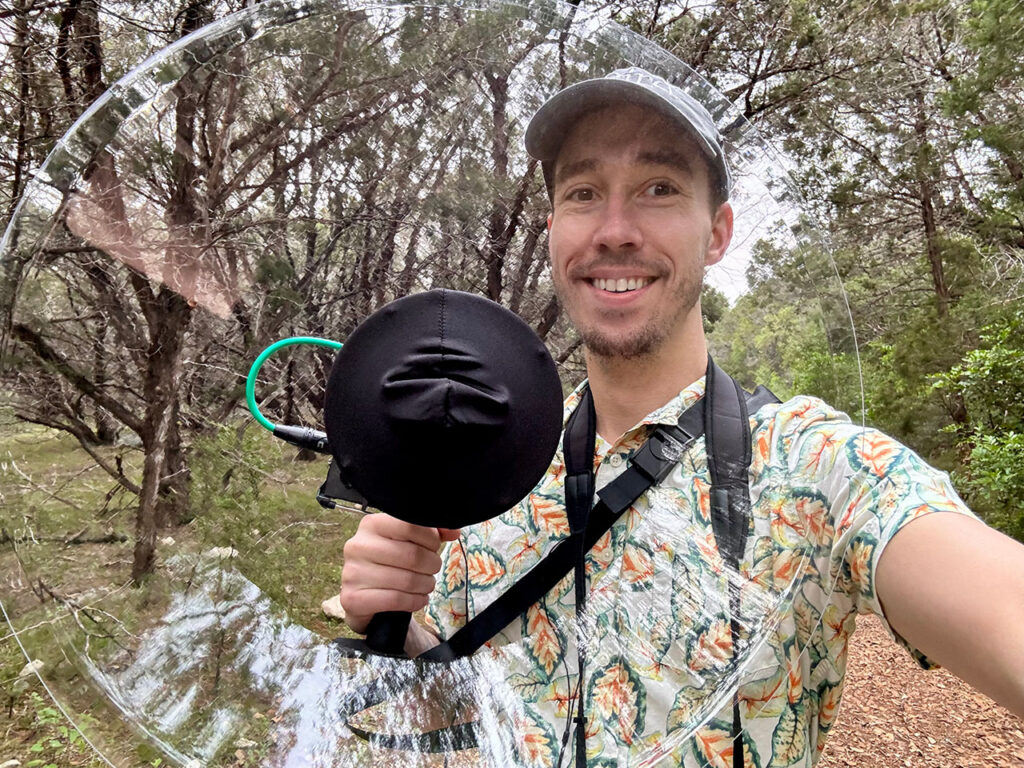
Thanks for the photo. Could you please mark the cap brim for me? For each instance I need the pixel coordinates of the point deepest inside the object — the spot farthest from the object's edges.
(553, 122)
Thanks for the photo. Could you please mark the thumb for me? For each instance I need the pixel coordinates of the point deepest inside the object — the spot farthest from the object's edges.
(448, 534)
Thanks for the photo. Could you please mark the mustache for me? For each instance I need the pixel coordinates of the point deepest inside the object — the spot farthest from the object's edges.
(581, 270)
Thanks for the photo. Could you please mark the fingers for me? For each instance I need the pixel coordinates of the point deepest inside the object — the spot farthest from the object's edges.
(365, 576)
(375, 549)
(399, 530)
(389, 566)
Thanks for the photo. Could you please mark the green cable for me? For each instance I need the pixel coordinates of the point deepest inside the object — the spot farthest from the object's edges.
(250, 383)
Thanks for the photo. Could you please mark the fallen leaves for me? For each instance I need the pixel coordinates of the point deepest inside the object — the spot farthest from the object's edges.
(895, 715)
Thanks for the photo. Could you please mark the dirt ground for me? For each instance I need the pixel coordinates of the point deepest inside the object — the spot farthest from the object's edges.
(894, 715)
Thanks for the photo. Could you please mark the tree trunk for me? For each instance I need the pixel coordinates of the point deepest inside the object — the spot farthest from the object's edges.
(160, 431)
(173, 503)
(926, 198)
(164, 496)
(21, 68)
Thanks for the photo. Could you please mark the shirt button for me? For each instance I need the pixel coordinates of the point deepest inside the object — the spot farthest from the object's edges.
(616, 460)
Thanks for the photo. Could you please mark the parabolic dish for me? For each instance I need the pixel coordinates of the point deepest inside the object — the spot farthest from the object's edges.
(285, 171)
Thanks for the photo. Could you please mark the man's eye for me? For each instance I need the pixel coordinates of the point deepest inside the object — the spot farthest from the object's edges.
(661, 189)
(582, 195)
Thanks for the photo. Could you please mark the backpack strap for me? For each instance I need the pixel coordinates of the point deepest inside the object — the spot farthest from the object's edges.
(727, 442)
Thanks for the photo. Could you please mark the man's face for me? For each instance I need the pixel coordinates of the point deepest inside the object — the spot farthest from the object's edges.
(632, 230)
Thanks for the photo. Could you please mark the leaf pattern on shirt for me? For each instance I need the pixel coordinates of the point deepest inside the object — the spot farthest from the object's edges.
(523, 552)
(455, 568)
(712, 648)
(860, 560)
(765, 697)
(535, 739)
(828, 705)
(807, 618)
(485, 567)
(544, 641)
(637, 565)
(713, 745)
(600, 555)
(789, 741)
(548, 516)
(874, 451)
(619, 700)
(818, 452)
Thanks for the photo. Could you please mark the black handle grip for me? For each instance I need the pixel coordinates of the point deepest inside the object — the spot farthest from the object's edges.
(385, 634)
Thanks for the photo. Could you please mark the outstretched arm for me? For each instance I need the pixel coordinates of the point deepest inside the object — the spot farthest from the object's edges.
(954, 589)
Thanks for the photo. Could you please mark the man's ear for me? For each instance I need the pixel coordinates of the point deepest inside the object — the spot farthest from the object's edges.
(721, 234)
(549, 222)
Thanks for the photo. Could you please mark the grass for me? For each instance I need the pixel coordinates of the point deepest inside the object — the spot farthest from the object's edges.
(248, 493)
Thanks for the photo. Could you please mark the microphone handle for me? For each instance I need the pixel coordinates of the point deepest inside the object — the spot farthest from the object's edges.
(386, 632)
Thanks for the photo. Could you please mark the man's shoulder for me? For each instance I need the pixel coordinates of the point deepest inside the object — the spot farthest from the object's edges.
(799, 411)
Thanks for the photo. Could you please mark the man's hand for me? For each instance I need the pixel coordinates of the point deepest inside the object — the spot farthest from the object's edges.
(389, 566)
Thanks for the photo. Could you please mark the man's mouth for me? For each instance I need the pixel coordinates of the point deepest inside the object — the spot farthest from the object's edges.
(620, 285)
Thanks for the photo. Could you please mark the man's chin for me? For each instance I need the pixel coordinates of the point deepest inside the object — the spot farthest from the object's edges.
(634, 347)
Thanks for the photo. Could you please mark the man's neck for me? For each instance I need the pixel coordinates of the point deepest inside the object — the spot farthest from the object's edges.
(626, 390)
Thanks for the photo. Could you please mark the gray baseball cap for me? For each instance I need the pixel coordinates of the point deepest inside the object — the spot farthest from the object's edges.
(553, 121)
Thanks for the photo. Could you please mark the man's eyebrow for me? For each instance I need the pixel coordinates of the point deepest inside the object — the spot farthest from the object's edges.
(670, 157)
(575, 168)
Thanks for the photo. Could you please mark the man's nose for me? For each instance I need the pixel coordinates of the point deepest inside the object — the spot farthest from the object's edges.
(619, 227)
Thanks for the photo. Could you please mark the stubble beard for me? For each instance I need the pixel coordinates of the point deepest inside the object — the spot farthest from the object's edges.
(646, 340)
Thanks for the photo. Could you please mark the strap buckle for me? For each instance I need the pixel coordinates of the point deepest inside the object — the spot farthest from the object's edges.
(661, 452)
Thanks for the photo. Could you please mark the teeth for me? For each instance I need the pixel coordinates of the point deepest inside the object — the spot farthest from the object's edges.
(621, 285)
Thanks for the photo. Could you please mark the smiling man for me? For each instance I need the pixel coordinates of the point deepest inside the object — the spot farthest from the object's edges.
(851, 520)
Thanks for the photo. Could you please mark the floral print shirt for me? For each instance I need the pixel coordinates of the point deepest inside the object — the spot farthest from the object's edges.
(662, 670)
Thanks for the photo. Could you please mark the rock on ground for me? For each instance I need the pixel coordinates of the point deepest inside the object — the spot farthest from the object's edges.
(332, 607)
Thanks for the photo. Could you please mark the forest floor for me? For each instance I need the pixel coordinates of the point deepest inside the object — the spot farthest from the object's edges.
(895, 715)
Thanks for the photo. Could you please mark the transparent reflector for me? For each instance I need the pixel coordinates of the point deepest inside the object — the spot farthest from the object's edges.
(285, 171)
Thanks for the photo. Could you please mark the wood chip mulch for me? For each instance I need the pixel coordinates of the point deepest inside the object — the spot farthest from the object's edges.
(895, 715)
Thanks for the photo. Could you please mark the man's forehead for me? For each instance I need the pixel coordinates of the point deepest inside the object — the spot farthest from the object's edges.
(587, 159)
(648, 135)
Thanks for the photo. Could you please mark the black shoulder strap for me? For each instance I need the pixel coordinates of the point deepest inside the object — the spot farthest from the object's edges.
(727, 441)
(578, 454)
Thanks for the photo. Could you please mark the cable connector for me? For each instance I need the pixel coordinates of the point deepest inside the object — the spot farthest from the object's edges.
(303, 437)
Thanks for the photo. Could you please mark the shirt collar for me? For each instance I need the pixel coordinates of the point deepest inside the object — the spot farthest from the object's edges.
(668, 413)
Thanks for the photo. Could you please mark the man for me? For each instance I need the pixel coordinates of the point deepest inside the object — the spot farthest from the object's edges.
(639, 187)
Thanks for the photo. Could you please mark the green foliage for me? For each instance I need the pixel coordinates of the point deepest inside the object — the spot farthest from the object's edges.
(55, 742)
(791, 332)
(227, 470)
(991, 378)
(994, 481)
(897, 380)
(713, 306)
(990, 381)
(251, 495)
